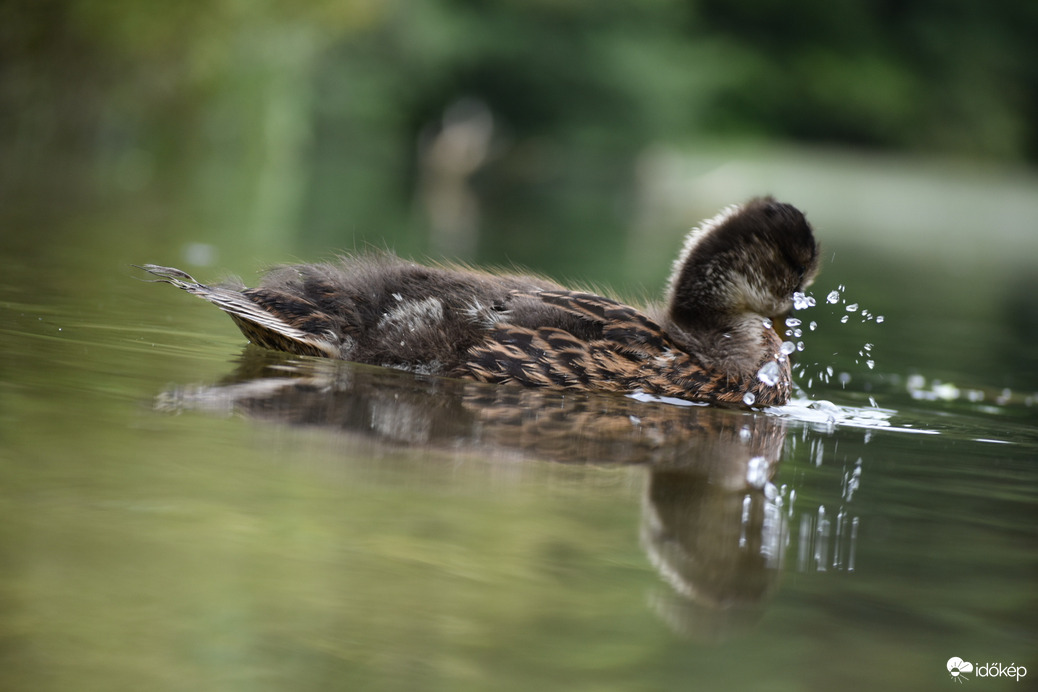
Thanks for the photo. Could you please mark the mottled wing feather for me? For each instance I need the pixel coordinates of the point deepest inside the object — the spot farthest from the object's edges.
(620, 359)
(632, 353)
(622, 325)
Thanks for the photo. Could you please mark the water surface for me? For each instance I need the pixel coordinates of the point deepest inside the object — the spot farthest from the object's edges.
(180, 512)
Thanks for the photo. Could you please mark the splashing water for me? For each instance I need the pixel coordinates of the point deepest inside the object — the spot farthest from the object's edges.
(825, 416)
(840, 309)
(802, 301)
(837, 302)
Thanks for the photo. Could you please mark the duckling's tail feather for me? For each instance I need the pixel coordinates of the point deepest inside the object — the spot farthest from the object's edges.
(259, 326)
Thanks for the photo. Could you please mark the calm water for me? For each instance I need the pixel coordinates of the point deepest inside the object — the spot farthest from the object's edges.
(177, 513)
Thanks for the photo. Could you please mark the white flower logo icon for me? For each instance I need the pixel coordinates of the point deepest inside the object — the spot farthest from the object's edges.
(957, 667)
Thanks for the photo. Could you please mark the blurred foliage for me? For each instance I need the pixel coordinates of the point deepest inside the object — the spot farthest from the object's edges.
(952, 76)
(304, 119)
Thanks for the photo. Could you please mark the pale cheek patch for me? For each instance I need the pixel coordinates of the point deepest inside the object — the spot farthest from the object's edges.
(751, 294)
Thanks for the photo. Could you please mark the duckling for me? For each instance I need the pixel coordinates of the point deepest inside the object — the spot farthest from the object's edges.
(712, 340)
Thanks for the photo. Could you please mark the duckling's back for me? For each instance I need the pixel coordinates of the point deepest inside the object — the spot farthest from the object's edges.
(382, 310)
(386, 311)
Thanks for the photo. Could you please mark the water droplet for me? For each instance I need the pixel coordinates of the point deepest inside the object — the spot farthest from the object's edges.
(871, 364)
(879, 319)
(800, 345)
(813, 326)
(770, 374)
(802, 302)
(787, 347)
(767, 323)
(843, 320)
(793, 322)
(748, 398)
(797, 333)
(833, 297)
(853, 307)
(867, 347)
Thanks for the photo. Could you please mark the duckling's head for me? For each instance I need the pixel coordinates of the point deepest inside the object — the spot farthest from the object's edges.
(746, 261)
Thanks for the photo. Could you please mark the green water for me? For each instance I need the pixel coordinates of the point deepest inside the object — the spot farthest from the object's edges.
(177, 513)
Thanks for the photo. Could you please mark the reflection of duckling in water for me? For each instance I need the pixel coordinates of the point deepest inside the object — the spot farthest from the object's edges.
(712, 524)
(737, 271)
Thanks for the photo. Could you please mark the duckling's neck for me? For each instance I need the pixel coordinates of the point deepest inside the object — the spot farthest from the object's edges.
(735, 344)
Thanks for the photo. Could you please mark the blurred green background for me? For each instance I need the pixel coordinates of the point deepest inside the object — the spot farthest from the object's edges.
(539, 133)
(580, 139)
